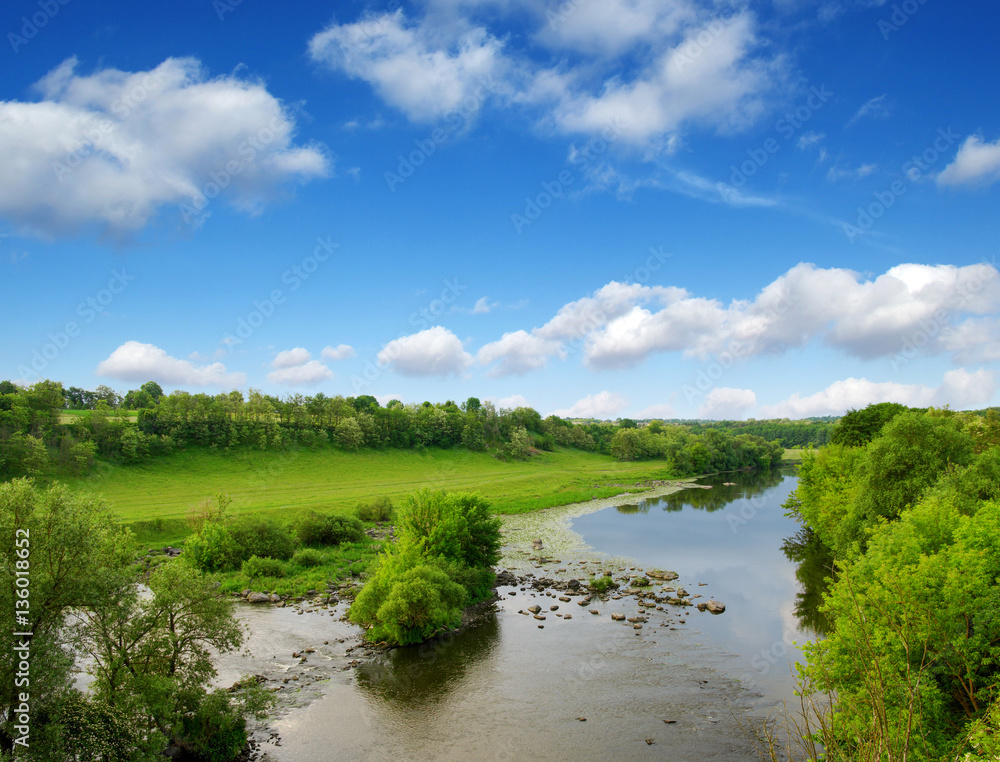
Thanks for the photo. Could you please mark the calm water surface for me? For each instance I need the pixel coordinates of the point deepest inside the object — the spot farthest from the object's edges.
(584, 688)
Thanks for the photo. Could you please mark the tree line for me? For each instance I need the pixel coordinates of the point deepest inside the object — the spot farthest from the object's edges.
(39, 434)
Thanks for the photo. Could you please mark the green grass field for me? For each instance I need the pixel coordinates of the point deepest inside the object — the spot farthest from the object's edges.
(68, 416)
(793, 455)
(155, 497)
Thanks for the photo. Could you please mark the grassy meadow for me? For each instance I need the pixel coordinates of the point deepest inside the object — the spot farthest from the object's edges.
(155, 497)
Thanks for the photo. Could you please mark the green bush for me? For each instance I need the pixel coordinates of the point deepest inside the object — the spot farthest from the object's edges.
(255, 567)
(602, 584)
(456, 526)
(308, 557)
(217, 731)
(318, 529)
(224, 546)
(408, 599)
(376, 509)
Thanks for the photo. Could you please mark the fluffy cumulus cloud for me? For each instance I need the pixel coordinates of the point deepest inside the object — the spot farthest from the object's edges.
(291, 357)
(723, 403)
(137, 362)
(959, 388)
(910, 308)
(602, 405)
(339, 352)
(309, 373)
(295, 367)
(976, 162)
(424, 69)
(637, 70)
(434, 352)
(512, 402)
(112, 148)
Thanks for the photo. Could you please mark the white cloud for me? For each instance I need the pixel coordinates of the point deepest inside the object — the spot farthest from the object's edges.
(873, 108)
(112, 148)
(723, 403)
(809, 139)
(434, 352)
(384, 399)
(959, 388)
(309, 373)
(976, 162)
(134, 361)
(339, 352)
(291, 357)
(642, 69)
(482, 306)
(518, 353)
(424, 70)
(721, 84)
(622, 324)
(602, 405)
(846, 173)
(612, 27)
(512, 402)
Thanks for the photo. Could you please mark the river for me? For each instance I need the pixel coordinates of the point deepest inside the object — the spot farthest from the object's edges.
(579, 685)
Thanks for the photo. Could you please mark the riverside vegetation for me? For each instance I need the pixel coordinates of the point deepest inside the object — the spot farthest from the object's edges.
(908, 504)
(303, 489)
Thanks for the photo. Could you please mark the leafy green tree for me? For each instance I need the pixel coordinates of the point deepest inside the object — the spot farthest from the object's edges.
(153, 389)
(912, 452)
(76, 553)
(138, 399)
(859, 427)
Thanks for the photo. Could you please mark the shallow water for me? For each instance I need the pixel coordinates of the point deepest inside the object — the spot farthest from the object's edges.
(583, 687)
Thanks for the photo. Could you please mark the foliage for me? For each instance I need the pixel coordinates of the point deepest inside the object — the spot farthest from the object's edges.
(225, 545)
(911, 660)
(150, 653)
(306, 557)
(377, 509)
(857, 428)
(457, 526)
(256, 567)
(318, 529)
(441, 562)
(601, 585)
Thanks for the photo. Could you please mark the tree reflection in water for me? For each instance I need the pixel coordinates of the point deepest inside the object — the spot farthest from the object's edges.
(814, 569)
(418, 677)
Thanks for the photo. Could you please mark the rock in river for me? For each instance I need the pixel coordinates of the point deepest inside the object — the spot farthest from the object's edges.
(258, 598)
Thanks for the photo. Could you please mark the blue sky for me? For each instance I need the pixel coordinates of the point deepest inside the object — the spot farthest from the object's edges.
(597, 208)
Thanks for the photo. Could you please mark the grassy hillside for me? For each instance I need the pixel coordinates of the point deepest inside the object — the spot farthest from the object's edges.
(155, 497)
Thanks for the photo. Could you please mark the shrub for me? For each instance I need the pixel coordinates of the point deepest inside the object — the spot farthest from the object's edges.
(308, 557)
(602, 584)
(255, 567)
(317, 529)
(376, 509)
(408, 598)
(217, 731)
(224, 546)
(454, 526)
